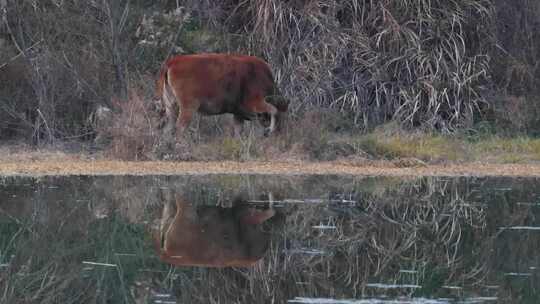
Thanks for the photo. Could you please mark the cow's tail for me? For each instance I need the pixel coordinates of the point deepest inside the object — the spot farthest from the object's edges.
(159, 102)
(162, 81)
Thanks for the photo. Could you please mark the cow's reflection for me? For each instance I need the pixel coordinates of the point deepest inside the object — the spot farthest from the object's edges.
(212, 236)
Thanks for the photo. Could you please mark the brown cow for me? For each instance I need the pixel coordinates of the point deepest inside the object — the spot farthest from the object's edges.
(214, 84)
(211, 236)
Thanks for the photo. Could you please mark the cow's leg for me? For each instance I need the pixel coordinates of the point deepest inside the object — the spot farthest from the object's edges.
(168, 213)
(260, 106)
(182, 123)
(170, 109)
(184, 208)
(169, 130)
(238, 123)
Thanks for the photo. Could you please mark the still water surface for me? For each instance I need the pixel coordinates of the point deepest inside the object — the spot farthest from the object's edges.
(269, 239)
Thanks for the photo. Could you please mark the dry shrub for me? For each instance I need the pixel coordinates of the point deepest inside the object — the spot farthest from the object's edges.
(211, 139)
(310, 131)
(515, 67)
(14, 113)
(422, 63)
(313, 135)
(159, 34)
(414, 61)
(204, 128)
(73, 56)
(131, 130)
(513, 114)
(65, 64)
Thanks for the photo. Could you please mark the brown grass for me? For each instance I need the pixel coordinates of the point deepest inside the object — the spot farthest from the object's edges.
(24, 153)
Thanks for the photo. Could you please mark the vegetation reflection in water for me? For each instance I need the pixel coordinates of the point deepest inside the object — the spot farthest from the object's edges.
(291, 239)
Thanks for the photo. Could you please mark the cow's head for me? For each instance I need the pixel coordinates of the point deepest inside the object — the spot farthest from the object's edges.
(282, 105)
(265, 120)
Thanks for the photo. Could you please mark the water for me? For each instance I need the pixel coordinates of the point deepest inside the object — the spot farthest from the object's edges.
(260, 239)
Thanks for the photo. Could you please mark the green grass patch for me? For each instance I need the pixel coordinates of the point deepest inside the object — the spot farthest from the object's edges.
(425, 147)
(436, 147)
(524, 147)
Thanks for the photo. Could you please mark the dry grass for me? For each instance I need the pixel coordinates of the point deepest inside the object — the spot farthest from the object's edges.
(131, 129)
(309, 148)
(413, 61)
(508, 150)
(24, 153)
(103, 167)
(431, 148)
(419, 63)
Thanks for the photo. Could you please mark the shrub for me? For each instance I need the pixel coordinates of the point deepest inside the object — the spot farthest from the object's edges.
(414, 61)
(438, 65)
(131, 130)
